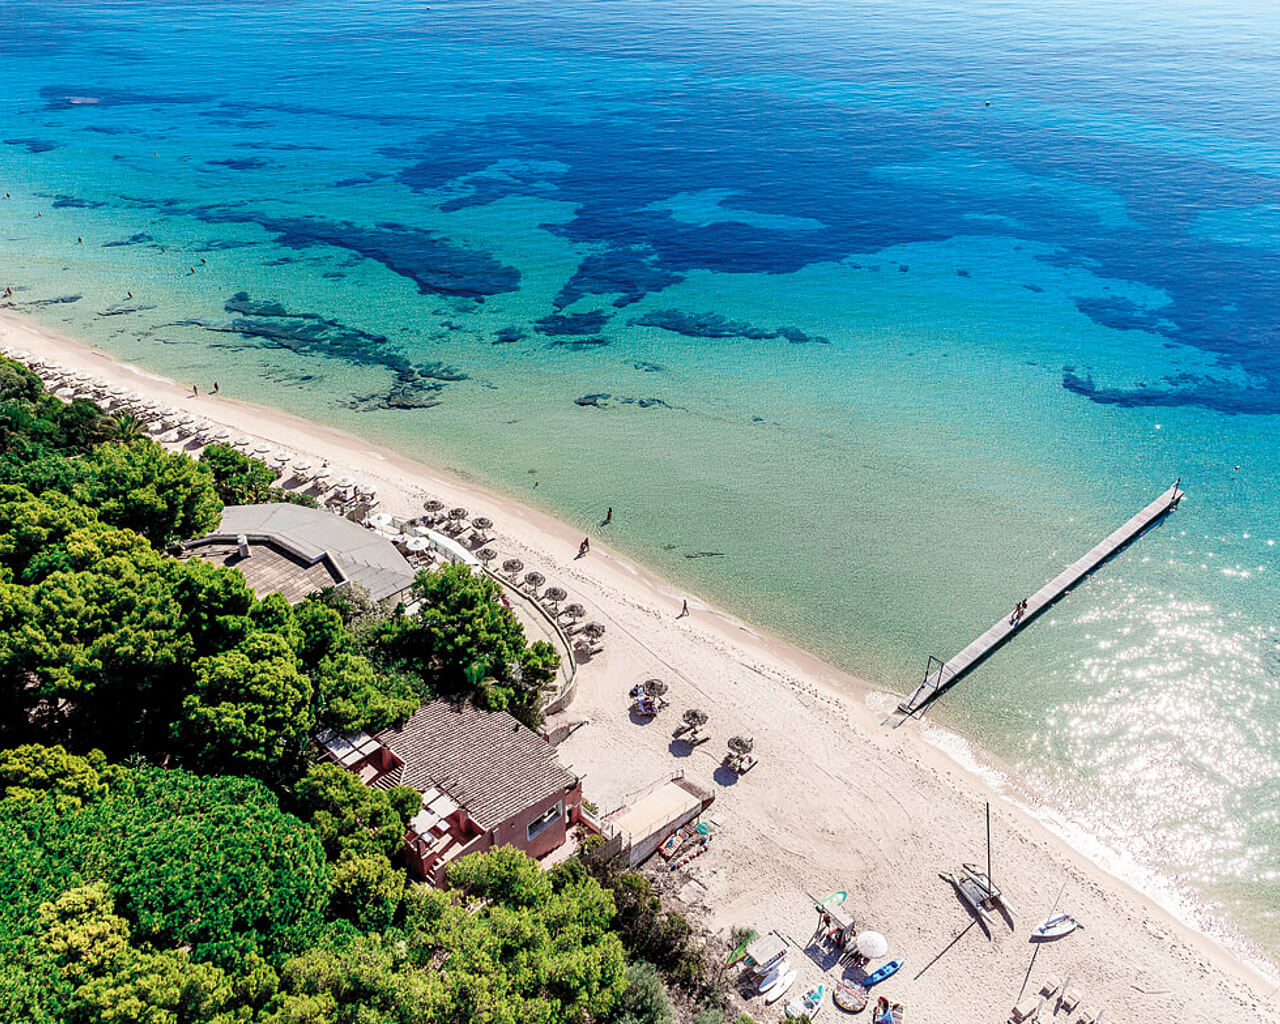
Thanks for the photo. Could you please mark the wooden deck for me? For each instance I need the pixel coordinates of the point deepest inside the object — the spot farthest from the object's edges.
(944, 674)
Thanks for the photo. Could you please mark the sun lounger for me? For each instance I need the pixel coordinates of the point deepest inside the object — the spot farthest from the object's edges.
(1025, 1010)
(1050, 986)
(1070, 999)
(1087, 1016)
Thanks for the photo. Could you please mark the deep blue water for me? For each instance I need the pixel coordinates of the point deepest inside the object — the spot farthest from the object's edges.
(866, 317)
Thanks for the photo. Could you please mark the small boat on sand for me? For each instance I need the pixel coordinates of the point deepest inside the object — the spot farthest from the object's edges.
(1054, 927)
(993, 893)
(808, 1004)
(850, 997)
(972, 894)
(883, 973)
(779, 988)
(887, 1012)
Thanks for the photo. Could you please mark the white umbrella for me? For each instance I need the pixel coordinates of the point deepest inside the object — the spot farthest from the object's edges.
(203, 427)
(872, 944)
(222, 434)
(367, 489)
(168, 412)
(183, 419)
(117, 391)
(281, 457)
(344, 483)
(301, 466)
(323, 473)
(242, 441)
(261, 448)
(381, 519)
(66, 392)
(417, 544)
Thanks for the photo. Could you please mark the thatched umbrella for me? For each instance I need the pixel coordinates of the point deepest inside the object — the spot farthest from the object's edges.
(741, 744)
(512, 565)
(593, 631)
(458, 513)
(486, 555)
(655, 687)
(555, 594)
(432, 505)
(482, 523)
(573, 611)
(694, 718)
(535, 580)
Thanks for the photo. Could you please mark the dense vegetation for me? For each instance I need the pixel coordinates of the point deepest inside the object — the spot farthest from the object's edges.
(169, 852)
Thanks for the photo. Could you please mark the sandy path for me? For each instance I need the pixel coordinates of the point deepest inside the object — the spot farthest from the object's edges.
(837, 801)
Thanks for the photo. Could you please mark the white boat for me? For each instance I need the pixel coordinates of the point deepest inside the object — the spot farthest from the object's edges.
(1054, 927)
(806, 1005)
(771, 976)
(993, 894)
(973, 895)
(780, 987)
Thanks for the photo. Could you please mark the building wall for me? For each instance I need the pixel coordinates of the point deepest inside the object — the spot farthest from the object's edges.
(514, 831)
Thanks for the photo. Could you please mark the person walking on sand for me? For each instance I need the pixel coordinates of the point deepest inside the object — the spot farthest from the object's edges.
(216, 389)
(584, 547)
(684, 609)
(195, 391)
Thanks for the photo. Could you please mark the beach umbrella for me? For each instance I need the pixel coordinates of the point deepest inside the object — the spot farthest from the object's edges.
(222, 434)
(281, 457)
(554, 594)
(301, 466)
(482, 523)
(66, 392)
(82, 377)
(344, 483)
(458, 513)
(432, 505)
(743, 745)
(872, 944)
(203, 426)
(656, 688)
(694, 718)
(486, 554)
(184, 418)
(512, 565)
(381, 519)
(261, 448)
(117, 391)
(323, 473)
(593, 630)
(170, 410)
(243, 442)
(534, 579)
(417, 544)
(573, 611)
(368, 490)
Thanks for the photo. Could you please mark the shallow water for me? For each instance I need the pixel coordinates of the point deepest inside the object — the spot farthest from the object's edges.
(889, 312)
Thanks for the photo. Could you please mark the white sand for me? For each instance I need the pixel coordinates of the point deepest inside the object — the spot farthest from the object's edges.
(836, 802)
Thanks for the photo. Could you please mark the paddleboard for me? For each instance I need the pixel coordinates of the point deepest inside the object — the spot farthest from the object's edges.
(780, 987)
(808, 1004)
(883, 973)
(772, 975)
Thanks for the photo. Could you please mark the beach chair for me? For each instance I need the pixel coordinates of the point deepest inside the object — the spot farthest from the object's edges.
(1050, 986)
(1087, 1015)
(1070, 999)
(1028, 1009)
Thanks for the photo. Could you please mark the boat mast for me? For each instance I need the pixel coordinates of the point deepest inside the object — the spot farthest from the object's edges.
(991, 882)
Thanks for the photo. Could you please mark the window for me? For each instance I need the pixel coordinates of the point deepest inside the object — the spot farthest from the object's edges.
(543, 820)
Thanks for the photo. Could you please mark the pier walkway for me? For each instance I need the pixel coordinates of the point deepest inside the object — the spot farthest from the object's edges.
(942, 674)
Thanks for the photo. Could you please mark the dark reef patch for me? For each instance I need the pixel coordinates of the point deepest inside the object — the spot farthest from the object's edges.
(509, 335)
(602, 400)
(61, 97)
(242, 304)
(572, 323)
(34, 145)
(334, 275)
(631, 273)
(123, 309)
(141, 238)
(242, 163)
(645, 367)
(60, 300)
(1177, 390)
(76, 203)
(436, 266)
(713, 325)
(1122, 315)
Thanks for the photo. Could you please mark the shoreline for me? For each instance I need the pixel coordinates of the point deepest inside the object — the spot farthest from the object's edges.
(902, 784)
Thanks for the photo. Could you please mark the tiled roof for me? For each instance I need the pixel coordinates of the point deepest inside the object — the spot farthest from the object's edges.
(486, 760)
(311, 535)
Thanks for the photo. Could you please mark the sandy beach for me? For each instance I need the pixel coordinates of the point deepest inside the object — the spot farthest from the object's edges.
(837, 801)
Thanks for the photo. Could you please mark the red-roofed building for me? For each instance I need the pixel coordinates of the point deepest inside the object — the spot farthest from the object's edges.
(485, 779)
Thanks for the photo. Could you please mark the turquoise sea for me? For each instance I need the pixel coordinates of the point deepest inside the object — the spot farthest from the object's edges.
(865, 318)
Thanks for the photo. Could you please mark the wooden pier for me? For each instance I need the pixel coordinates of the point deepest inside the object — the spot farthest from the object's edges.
(942, 674)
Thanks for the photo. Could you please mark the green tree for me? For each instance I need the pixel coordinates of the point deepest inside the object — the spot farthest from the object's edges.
(126, 428)
(351, 818)
(464, 640)
(645, 999)
(367, 890)
(30, 771)
(160, 494)
(249, 711)
(239, 479)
